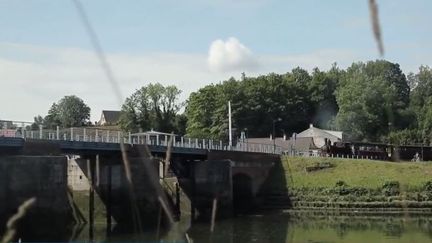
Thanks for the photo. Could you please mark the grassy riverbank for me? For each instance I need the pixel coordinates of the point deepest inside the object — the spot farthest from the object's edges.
(350, 183)
(368, 174)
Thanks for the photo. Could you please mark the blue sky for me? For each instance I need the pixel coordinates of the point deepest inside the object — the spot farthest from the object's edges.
(45, 52)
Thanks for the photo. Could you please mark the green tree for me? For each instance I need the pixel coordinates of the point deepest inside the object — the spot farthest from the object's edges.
(373, 99)
(199, 111)
(70, 111)
(256, 102)
(38, 120)
(322, 90)
(152, 107)
(52, 119)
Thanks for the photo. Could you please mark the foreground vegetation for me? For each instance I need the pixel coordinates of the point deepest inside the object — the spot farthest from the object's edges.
(369, 174)
(329, 180)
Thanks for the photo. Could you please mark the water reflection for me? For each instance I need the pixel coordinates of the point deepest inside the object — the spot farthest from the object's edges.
(260, 228)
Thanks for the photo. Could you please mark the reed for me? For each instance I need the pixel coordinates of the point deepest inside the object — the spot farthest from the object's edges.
(12, 222)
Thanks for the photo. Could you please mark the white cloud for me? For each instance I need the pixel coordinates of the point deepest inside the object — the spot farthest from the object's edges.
(230, 55)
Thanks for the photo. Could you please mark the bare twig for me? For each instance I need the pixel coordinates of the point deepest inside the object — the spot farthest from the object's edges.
(167, 211)
(168, 155)
(98, 49)
(373, 8)
(213, 219)
(116, 89)
(11, 224)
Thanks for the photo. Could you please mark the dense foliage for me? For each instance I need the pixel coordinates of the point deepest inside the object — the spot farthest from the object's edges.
(153, 107)
(373, 101)
(70, 111)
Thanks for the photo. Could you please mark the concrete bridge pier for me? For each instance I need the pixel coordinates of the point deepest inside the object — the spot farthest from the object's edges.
(234, 179)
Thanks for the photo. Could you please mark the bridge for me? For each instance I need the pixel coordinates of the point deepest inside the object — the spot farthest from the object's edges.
(205, 169)
(93, 139)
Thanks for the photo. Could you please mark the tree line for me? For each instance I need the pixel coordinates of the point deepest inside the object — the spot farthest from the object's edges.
(370, 101)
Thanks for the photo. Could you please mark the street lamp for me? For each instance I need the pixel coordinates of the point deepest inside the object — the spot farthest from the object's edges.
(273, 135)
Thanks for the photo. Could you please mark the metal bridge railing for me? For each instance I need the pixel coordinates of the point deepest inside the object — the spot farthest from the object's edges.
(155, 139)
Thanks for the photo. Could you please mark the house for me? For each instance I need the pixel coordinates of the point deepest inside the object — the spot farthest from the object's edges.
(320, 135)
(307, 143)
(300, 146)
(109, 118)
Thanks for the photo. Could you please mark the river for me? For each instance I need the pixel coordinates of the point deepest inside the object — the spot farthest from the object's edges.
(274, 227)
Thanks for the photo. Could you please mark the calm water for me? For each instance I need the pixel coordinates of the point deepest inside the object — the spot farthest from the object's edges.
(269, 228)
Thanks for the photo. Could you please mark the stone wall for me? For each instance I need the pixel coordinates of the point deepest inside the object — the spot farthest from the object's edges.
(43, 177)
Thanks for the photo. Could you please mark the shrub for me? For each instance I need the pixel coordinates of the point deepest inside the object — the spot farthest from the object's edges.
(428, 187)
(391, 188)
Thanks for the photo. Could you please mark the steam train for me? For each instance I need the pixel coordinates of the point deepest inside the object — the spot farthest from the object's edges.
(377, 151)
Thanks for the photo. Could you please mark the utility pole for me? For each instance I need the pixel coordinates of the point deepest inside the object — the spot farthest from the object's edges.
(273, 135)
(229, 124)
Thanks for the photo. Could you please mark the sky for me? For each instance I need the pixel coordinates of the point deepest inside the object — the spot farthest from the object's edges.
(46, 53)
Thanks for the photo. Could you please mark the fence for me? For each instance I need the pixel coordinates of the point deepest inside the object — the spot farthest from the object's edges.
(156, 139)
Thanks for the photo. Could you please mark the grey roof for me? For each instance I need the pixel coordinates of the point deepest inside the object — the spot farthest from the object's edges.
(316, 132)
(111, 117)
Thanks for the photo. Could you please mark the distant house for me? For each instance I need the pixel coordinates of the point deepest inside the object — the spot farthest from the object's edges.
(109, 118)
(299, 146)
(320, 135)
(306, 143)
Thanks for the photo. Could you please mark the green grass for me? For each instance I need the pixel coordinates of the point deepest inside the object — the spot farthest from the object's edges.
(367, 174)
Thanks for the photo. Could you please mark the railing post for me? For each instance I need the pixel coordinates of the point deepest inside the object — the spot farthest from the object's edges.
(157, 140)
(31, 134)
(203, 143)
(85, 135)
(166, 140)
(96, 136)
(40, 132)
(58, 133)
(108, 135)
(118, 137)
(130, 138)
(196, 143)
(182, 141)
(72, 137)
(189, 142)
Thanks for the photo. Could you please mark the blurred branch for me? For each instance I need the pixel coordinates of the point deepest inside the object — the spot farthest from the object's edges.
(11, 224)
(373, 8)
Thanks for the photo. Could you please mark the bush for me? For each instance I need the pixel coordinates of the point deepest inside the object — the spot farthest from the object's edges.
(391, 188)
(428, 187)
